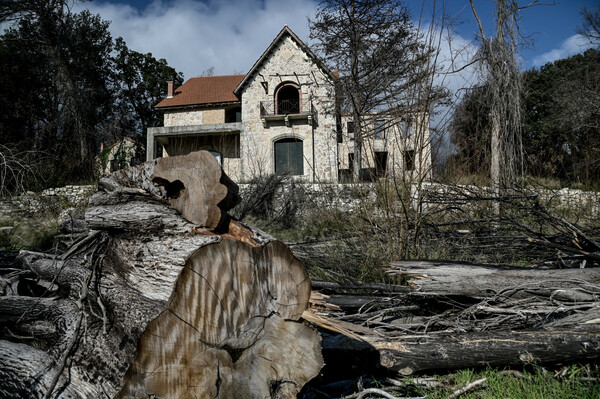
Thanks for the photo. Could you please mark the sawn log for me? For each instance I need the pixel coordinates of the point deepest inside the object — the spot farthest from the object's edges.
(166, 297)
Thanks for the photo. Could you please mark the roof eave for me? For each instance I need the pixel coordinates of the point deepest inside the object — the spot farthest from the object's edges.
(197, 105)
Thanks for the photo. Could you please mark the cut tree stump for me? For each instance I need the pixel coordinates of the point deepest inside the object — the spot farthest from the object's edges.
(152, 304)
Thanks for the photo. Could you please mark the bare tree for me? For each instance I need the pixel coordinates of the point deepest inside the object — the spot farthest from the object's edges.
(374, 46)
(17, 168)
(499, 62)
(591, 25)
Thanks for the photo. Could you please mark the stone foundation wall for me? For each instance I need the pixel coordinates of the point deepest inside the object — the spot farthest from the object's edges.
(351, 197)
(565, 198)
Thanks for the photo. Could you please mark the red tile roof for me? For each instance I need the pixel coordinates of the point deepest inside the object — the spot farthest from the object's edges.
(204, 90)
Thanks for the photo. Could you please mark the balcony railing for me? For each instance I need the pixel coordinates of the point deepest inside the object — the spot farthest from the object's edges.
(284, 107)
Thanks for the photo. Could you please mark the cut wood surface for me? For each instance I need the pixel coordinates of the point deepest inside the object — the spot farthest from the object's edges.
(234, 311)
(197, 187)
(153, 302)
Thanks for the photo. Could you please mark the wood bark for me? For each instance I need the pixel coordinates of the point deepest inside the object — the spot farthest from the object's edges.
(152, 304)
(458, 315)
(480, 281)
(494, 349)
(427, 352)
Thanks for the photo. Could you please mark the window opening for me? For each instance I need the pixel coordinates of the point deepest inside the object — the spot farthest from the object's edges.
(379, 128)
(288, 100)
(381, 163)
(289, 156)
(409, 160)
(233, 115)
(407, 128)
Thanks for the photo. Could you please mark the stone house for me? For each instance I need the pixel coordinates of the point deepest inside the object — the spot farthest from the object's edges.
(121, 154)
(396, 143)
(280, 117)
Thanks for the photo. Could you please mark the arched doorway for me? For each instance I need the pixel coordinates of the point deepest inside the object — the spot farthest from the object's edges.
(289, 156)
(287, 99)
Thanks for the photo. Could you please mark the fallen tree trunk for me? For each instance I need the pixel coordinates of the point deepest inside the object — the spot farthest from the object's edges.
(152, 304)
(495, 349)
(427, 352)
(466, 316)
(478, 281)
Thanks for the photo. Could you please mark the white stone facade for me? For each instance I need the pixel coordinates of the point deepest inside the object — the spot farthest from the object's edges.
(393, 146)
(289, 63)
(303, 140)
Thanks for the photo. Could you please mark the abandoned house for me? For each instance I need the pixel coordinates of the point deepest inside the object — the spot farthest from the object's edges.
(121, 154)
(282, 117)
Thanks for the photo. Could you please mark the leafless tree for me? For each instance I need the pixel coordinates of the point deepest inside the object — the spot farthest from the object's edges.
(375, 48)
(499, 63)
(591, 25)
(16, 168)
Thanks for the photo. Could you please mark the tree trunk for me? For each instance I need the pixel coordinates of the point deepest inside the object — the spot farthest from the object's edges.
(456, 315)
(411, 354)
(453, 278)
(154, 304)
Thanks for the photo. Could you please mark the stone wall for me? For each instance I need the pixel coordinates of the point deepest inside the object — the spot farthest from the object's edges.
(563, 199)
(183, 118)
(345, 197)
(351, 197)
(311, 196)
(51, 199)
(194, 117)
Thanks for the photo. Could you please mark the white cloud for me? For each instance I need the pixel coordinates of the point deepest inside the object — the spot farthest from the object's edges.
(194, 36)
(231, 35)
(455, 64)
(573, 45)
(454, 69)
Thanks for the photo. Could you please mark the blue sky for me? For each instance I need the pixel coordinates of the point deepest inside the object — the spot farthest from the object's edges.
(549, 26)
(230, 35)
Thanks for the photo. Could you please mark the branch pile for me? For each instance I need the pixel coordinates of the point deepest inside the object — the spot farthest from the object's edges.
(454, 315)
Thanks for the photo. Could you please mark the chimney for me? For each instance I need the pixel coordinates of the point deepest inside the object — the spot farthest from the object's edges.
(170, 88)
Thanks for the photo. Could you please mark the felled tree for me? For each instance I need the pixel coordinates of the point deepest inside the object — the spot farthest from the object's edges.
(152, 303)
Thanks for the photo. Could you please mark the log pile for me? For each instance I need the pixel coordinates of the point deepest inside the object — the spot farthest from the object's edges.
(453, 315)
(162, 295)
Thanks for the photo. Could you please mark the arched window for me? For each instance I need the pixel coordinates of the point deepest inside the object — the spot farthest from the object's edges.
(289, 156)
(287, 99)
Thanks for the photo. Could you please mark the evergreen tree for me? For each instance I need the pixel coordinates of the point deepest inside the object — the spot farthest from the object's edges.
(68, 87)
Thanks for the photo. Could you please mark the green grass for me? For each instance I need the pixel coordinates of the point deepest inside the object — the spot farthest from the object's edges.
(36, 233)
(576, 381)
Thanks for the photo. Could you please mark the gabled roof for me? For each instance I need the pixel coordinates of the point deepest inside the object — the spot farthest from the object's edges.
(286, 31)
(204, 90)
